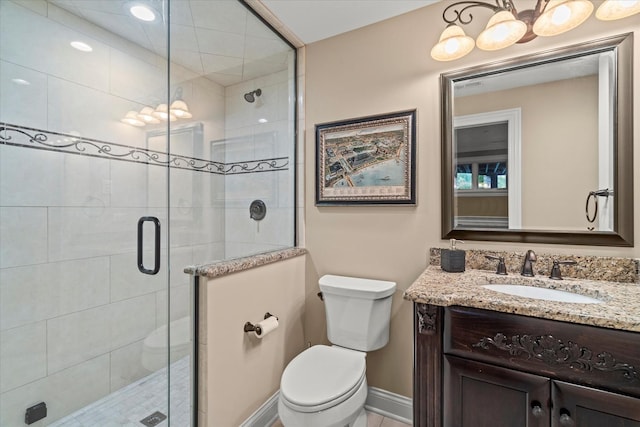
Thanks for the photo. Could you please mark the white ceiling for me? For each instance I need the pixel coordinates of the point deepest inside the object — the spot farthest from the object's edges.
(223, 41)
(313, 20)
(218, 39)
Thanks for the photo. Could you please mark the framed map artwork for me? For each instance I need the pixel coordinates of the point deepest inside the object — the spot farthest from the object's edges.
(367, 161)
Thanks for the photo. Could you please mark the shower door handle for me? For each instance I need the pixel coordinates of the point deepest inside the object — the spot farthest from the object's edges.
(156, 246)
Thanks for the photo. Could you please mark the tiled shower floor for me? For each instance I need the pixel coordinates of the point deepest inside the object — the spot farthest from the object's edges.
(129, 405)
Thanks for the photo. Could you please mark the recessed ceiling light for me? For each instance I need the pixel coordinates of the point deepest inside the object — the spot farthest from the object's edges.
(81, 46)
(21, 82)
(142, 12)
(262, 120)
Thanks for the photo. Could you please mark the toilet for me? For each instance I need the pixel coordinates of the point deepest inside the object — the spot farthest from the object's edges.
(155, 345)
(326, 386)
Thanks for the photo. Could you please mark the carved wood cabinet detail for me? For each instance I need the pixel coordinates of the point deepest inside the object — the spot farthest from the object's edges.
(479, 367)
(427, 319)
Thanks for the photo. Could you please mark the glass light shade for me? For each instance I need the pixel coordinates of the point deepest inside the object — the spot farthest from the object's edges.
(146, 115)
(561, 16)
(617, 9)
(131, 118)
(162, 112)
(180, 109)
(502, 30)
(453, 44)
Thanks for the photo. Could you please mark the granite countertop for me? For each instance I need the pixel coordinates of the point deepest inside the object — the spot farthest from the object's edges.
(222, 268)
(620, 308)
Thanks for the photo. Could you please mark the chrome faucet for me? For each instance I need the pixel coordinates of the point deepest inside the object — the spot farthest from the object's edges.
(527, 265)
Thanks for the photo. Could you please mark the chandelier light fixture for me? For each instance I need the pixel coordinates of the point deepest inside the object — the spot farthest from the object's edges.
(509, 26)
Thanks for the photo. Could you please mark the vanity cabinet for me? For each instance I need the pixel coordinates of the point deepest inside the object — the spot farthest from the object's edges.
(476, 368)
(482, 395)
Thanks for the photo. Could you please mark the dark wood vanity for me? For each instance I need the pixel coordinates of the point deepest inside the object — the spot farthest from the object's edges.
(476, 368)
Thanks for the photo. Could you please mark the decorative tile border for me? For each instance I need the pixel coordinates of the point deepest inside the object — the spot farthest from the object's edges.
(222, 268)
(610, 269)
(20, 136)
(253, 166)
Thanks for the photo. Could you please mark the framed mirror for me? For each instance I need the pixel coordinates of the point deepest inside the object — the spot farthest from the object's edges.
(539, 149)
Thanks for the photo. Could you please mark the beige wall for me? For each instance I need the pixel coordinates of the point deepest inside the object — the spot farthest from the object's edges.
(238, 371)
(559, 147)
(482, 206)
(383, 68)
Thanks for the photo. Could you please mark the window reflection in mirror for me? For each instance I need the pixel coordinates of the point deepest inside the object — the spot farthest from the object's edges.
(481, 153)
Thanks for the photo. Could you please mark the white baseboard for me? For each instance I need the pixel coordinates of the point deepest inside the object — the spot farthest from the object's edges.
(266, 415)
(380, 401)
(390, 405)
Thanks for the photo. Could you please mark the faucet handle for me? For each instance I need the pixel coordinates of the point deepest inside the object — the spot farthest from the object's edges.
(555, 270)
(502, 268)
(527, 265)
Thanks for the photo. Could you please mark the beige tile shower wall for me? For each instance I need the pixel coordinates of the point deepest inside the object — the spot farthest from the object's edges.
(239, 372)
(382, 68)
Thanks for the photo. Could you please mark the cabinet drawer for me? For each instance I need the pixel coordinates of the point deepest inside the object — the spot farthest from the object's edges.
(604, 358)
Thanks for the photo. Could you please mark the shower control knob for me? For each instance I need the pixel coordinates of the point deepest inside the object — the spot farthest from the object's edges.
(257, 210)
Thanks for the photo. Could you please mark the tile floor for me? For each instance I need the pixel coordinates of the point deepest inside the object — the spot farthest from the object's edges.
(127, 406)
(373, 420)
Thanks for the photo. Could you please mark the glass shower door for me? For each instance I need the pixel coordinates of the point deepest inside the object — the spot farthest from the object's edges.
(83, 333)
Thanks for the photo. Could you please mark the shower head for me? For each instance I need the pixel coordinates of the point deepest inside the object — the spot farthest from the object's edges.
(251, 96)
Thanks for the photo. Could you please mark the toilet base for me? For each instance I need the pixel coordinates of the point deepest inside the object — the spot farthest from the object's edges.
(361, 421)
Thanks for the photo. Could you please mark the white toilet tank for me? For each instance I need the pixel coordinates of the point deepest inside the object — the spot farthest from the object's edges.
(358, 311)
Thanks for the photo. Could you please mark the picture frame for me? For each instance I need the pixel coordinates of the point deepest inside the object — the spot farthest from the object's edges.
(367, 161)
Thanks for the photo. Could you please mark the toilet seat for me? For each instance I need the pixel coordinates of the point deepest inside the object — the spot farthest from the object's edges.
(322, 377)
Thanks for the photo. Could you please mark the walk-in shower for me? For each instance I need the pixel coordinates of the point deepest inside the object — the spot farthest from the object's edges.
(127, 153)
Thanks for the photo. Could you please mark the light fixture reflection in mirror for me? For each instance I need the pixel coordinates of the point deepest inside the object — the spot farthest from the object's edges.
(178, 109)
(511, 25)
(146, 115)
(131, 118)
(162, 113)
(560, 165)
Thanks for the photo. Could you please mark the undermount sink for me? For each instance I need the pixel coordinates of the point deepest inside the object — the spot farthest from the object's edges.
(542, 293)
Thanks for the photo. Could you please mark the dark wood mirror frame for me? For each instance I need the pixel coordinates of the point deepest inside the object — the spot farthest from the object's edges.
(622, 235)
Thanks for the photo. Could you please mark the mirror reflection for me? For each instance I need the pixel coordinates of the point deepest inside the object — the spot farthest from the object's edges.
(531, 144)
(557, 116)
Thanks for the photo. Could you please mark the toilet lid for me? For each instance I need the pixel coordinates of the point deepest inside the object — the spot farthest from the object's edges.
(322, 376)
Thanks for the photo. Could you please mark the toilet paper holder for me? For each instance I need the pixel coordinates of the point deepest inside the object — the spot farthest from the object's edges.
(250, 327)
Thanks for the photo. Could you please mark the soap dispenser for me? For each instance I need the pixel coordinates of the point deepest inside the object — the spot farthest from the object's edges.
(452, 260)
